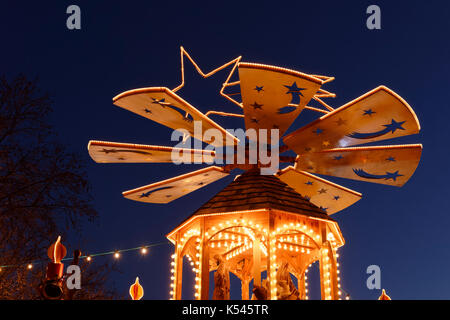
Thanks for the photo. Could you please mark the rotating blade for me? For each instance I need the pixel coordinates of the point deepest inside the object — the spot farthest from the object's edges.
(378, 115)
(115, 152)
(273, 97)
(328, 196)
(391, 165)
(165, 107)
(174, 188)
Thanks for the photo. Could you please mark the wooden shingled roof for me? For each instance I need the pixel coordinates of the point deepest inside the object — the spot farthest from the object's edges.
(252, 191)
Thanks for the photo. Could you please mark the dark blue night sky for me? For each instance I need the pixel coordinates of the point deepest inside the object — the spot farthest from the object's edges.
(135, 44)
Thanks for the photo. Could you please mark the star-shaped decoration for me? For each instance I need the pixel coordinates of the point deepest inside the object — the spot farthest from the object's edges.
(309, 183)
(256, 106)
(318, 131)
(337, 198)
(275, 126)
(368, 112)
(307, 149)
(323, 209)
(147, 110)
(121, 158)
(321, 191)
(393, 175)
(161, 102)
(201, 183)
(307, 197)
(391, 159)
(339, 157)
(259, 89)
(254, 120)
(326, 143)
(341, 122)
(394, 126)
(296, 92)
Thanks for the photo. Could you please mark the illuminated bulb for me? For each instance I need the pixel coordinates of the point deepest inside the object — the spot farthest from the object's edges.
(30, 266)
(117, 255)
(88, 258)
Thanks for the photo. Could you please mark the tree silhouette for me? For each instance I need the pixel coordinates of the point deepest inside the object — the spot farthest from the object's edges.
(43, 192)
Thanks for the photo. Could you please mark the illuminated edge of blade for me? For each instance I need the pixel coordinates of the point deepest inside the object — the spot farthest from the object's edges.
(280, 69)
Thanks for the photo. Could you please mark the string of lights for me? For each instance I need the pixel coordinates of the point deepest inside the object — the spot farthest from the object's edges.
(88, 257)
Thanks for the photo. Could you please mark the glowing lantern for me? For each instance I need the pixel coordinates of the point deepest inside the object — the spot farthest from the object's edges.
(384, 296)
(136, 290)
(52, 286)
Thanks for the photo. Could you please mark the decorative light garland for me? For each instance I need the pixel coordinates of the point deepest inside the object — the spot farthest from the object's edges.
(116, 254)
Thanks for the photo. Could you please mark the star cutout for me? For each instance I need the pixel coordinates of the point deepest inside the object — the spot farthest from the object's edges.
(254, 120)
(368, 112)
(341, 122)
(259, 89)
(307, 198)
(161, 102)
(147, 110)
(337, 198)
(296, 92)
(392, 159)
(309, 183)
(393, 175)
(307, 149)
(318, 131)
(256, 106)
(323, 209)
(326, 143)
(321, 191)
(394, 126)
(339, 157)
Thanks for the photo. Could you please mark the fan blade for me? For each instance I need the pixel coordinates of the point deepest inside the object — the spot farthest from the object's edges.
(115, 152)
(378, 115)
(328, 196)
(174, 188)
(273, 97)
(165, 107)
(391, 165)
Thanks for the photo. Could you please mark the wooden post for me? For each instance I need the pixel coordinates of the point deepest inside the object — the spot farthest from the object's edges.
(204, 263)
(257, 261)
(178, 269)
(245, 289)
(301, 285)
(322, 274)
(333, 272)
(332, 286)
(271, 274)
